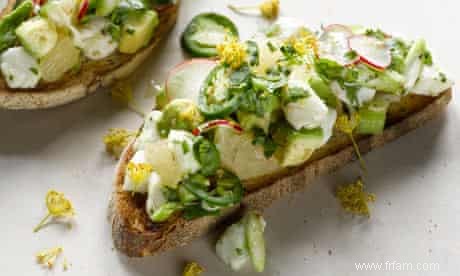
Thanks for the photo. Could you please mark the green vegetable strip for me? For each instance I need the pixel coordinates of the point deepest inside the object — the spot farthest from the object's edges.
(165, 211)
(10, 22)
(371, 122)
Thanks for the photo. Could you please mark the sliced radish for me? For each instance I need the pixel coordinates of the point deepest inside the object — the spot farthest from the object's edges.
(371, 51)
(338, 28)
(83, 9)
(217, 123)
(185, 80)
(38, 2)
(333, 44)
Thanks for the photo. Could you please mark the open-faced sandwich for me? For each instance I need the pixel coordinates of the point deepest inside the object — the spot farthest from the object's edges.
(56, 51)
(263, 121)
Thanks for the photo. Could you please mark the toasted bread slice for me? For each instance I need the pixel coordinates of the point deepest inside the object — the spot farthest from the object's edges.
(135, 235)
(92, 75)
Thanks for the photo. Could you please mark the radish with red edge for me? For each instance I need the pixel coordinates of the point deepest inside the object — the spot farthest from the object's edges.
(38, 2)
(217, 123)
(371, 51)
(338, 28)
(333, 45)
(185, 80)
(83, 9)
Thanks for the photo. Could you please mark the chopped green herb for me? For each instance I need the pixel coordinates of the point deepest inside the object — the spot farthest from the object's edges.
(207, 154)
(169, 194)
(427, 59)
(271, 47)
(442, 77)
(253, 52)
(114, 30)
(376, 33)
(351, 54)
(185, 147)
(399, 51)
(195, 211)
(293, 94)
(240, 77)
(269, 145)
(34, 70)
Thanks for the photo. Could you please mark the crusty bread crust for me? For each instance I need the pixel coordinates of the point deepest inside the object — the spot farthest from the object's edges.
(136, 236)
(91, 76)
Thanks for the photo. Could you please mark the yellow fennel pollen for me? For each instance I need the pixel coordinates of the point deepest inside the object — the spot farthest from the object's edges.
(193, 269)
(57, 205)
(48, 257)
(347, 125)
(270, 8)
(305, 42)
(139, 172)
(117, 139)
(191, 113)
(354, 199)
(232, 52)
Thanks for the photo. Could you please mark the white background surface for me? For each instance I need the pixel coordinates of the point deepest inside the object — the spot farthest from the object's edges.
(415, 219)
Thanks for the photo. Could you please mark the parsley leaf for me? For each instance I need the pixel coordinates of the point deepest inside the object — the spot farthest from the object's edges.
(269, 145)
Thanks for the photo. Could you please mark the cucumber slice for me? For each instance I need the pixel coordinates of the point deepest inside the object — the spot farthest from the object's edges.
(38, 36)
(413, 63)
(372, 120)
(232, 247)
(205, 32)
(323, 90)
(254, 226)
(431, 82)
(137, 31)
(186, 79)
(297, 146)
(106, 7)
(60, 12)
(62, 58)
(10, 21)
